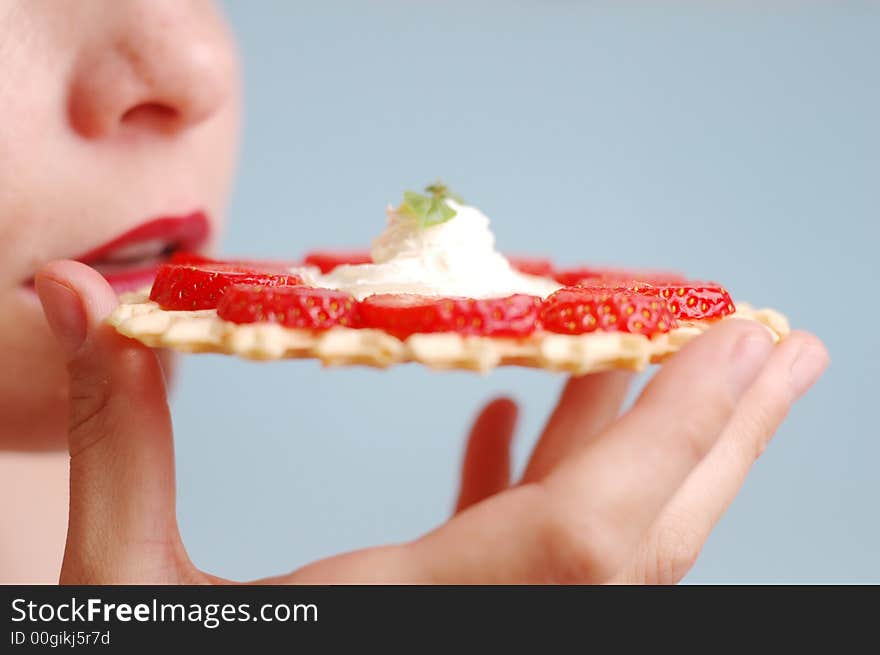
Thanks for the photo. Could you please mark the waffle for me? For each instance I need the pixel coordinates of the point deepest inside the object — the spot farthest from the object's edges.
(203, 331)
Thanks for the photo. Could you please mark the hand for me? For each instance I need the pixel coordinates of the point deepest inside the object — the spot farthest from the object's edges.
(605, 498)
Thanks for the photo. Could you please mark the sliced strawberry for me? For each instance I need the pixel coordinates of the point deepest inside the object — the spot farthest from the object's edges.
(577, 310)
(532, 265)
(405, 314)
(609, 284)
(291, 306)
(693, 301)
(327, 260)
(200, 286)
(181, 257)
(688, 301)
(587, 275)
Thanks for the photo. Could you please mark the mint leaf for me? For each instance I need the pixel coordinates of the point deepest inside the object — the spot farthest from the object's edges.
(415, 204)
(430, 209)
(438, 212)
(441, 190)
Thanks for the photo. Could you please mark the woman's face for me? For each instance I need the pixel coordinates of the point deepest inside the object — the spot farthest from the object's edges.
(118, 125)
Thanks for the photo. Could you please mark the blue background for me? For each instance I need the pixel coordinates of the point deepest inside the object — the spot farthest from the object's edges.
(735, 141)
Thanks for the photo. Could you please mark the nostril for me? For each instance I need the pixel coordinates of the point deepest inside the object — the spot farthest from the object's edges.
(151, 115)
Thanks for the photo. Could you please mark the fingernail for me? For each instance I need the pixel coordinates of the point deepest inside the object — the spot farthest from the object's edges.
(749, 356)
(64, 312)
(808, 365)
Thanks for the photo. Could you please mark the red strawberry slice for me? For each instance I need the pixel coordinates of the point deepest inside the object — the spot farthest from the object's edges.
(200, 286)
(405, 314)
(291, 306)
(327, 260)
(532, 265)
(577, 310)
(687, 300)
(181, 257)
(586, 275)
(609, 284)
(693, 301)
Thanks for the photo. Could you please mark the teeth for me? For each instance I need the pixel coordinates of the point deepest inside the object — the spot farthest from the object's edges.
(137, 251)
(142, 254)
(111, 268)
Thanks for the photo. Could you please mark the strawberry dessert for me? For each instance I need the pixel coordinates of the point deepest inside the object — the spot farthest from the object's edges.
(432, 289)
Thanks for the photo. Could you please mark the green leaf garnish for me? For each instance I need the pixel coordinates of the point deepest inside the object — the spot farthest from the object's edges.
(429, 209)
(441, 190)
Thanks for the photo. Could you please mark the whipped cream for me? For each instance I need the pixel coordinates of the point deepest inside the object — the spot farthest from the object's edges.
(453, 258)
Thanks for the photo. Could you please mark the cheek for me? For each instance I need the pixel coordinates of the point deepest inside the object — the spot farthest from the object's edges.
(217, 151)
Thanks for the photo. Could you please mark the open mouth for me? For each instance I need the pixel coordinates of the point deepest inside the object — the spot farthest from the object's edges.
(130, 260)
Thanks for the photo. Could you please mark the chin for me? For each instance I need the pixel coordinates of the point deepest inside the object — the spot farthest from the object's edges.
(33, 382)
(33, 379)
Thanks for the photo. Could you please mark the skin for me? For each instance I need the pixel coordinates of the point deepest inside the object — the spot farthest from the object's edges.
(139, 95)
(605, 497)
(115, 112)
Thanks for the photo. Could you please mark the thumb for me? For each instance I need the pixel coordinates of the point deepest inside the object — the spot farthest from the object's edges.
(122, 525)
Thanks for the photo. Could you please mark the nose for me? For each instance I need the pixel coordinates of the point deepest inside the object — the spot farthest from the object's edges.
(161, 68)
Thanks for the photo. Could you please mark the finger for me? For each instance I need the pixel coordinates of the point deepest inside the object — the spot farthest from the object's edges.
(632, 470)
(486, 467)
(587, 406)
(122, 522)
(677, 537)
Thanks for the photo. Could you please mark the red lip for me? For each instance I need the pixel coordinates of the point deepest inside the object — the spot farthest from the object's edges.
(184, 232)
(130, 260)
